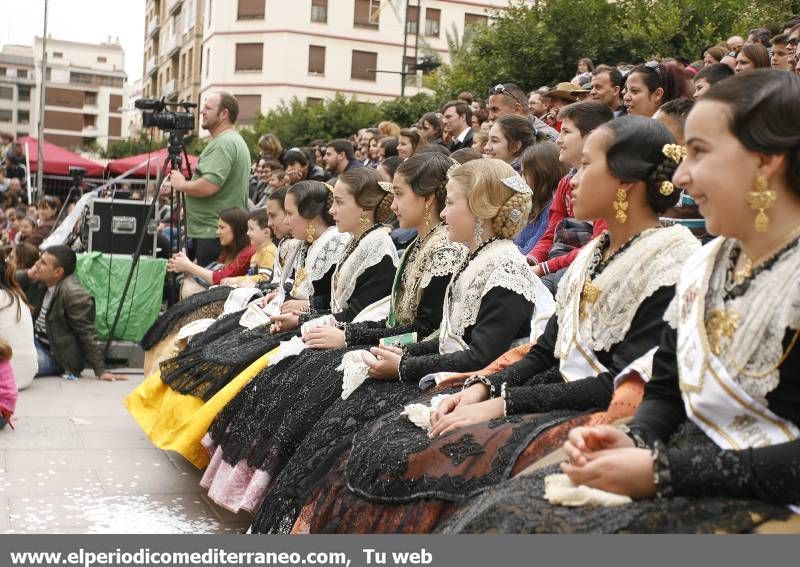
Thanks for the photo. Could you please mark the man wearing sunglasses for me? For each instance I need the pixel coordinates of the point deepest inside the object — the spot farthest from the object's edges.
(507, 99)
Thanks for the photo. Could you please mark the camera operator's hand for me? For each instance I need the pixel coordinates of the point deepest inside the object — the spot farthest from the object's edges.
(177, 180)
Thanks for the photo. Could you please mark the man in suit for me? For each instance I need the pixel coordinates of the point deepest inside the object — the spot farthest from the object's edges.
(63, 314)
(456, 116)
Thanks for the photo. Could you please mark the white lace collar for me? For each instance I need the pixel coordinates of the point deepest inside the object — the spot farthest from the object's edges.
(769, 306)
(651, 262)
(370, 250)
(320, 256)
(435, 256)
(497, 264)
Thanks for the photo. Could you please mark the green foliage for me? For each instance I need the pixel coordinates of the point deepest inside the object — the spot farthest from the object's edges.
(406, 111)
(131, 147)
(540, 44)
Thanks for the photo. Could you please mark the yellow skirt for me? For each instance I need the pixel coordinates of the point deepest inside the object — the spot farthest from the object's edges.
(177, 422)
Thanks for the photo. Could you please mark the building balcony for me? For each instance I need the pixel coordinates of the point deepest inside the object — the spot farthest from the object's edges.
(174, 5)
(169, 46)
(169, 88)
(152, 27)
(150, 66)
(90, 132)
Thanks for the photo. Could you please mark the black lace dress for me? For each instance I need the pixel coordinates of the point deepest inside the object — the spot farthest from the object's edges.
(709, 489)
(503, 316)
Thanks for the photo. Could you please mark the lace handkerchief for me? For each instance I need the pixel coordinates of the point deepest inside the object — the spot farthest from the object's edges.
(355, 370)
(420, 414)
(559, 490)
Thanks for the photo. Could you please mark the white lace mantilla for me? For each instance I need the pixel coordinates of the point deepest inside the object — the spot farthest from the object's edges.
(288, 250)
(498, 264)
(436, 256)
(651, 262)
(370, 251)
(322, 254)
(769, 306)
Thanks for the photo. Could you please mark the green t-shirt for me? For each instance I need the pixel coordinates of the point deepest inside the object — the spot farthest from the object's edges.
(224, 162)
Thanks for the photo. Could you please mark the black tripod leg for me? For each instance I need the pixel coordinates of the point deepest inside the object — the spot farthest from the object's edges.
(135, 260)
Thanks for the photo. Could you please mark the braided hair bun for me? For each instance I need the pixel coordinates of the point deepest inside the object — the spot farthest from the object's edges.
(384, 213)
(512, 216)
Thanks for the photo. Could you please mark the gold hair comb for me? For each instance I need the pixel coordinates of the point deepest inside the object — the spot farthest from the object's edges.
(386, 186)
(675, 152)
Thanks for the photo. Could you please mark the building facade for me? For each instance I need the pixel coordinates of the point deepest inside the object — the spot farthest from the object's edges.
(18, 93)
(84, 95)
(172, 46)
(266, 51)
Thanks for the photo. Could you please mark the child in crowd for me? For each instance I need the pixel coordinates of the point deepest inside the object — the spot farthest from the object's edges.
(263, 260)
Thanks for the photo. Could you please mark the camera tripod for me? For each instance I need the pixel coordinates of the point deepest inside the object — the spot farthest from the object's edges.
(176, 151)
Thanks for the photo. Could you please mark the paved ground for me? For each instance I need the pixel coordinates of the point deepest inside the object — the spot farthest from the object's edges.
(78, 463)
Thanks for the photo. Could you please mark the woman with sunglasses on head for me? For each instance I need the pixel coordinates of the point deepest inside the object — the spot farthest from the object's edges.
(715, 444)
(650, 85)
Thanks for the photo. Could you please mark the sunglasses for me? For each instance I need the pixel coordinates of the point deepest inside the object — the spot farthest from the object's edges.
(656, 67)
(501, 89)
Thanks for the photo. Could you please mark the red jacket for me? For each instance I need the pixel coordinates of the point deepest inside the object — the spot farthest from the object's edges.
(559, 210)
(238, 267)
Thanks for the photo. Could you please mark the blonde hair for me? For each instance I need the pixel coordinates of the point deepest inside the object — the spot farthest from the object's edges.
(387, 128)
(488, 198)
(270, 144)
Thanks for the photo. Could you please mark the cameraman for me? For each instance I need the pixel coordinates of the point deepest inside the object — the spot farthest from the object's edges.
(220, 180)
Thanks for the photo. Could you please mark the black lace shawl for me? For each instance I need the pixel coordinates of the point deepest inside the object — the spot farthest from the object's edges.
(185, 312)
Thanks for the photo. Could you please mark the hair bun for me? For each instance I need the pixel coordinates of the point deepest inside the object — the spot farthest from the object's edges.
(660, 200)
(383, 212)
(512, 216)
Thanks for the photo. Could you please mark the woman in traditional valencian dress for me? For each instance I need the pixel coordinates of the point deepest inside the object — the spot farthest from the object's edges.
(714, 445)
(161, 342)
(176, 405)
(488, 305)
(609, 317)
(416, 307)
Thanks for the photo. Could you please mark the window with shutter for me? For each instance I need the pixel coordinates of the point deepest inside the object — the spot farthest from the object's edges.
(364, 65)
(249, 56)
(367, 13)
(472, 19)
(251, 10)
(432, 19)
(412, 19)
(316, 59)
(249, 107)
(319, 11)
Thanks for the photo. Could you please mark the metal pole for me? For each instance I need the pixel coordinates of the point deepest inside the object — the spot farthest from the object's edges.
(40, 159)
(405, 50)
(416, 40)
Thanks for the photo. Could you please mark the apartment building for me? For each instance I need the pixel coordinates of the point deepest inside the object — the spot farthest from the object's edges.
(173, 40)
(17, 90)
(265, 51)
(84, 95)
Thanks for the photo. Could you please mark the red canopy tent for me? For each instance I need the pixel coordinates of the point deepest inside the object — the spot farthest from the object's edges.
(157, 158)
(57, 160)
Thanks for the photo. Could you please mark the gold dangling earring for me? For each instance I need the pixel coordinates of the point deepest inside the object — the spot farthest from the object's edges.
(427, 215)
(760, 199)
(363, 222)
(621, 206)
(311, 232)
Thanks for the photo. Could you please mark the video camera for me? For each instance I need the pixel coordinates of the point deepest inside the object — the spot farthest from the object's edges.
(163, 119)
